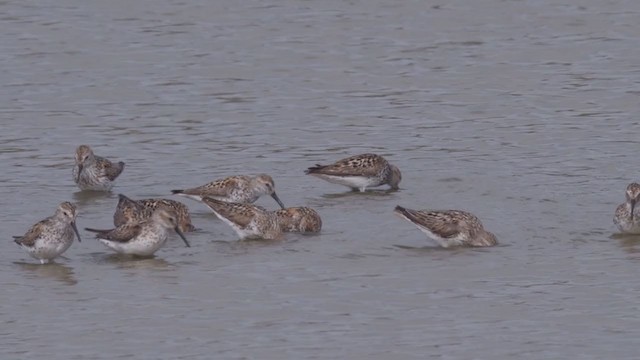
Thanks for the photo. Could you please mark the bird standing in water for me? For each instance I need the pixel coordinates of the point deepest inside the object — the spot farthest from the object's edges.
(449, 227)
(142, 238)
(627, 214)
(52, 236)
(238, 189)
(359, 172)
(92, 172)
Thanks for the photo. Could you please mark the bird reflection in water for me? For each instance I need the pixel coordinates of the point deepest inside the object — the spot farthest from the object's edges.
(54, 271)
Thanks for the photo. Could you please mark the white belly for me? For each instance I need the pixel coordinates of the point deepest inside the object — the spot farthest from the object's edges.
(138, 246)
(355, 182)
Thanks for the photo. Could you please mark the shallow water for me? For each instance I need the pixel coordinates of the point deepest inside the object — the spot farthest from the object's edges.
(523, 112)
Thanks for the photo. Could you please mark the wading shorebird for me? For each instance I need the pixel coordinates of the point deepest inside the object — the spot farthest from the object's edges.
(237, 189)
(143, 238)
(627, 215)
(92, 172)
(248, 221)
(359, 172)
(52, 236)
(449, 227)
(129, 210)
(299, 219)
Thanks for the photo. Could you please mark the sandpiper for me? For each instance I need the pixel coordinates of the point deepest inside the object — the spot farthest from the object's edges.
(299, 219)
(141, 238)
(129, 210)
(627, 216)
(238, 189)
(92, 172)
(52, 236)
(359, 172)
(449, 227)
(248, 221)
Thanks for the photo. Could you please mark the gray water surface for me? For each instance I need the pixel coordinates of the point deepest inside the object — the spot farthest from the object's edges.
(523, 112)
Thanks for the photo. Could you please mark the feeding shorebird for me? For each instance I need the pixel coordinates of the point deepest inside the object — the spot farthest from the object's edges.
(52, 236)
(129, 210)
(141, 238)
(248, 221)
(359, 172)
(238, 189)
(299, 219)
(92, 172)
(626, 216)
(449, 227)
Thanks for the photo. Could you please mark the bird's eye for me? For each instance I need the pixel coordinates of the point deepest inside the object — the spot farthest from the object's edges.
(66, 214)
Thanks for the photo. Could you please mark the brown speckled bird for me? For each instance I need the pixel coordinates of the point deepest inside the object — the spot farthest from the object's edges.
(449, 227)
(129, 210)
(142, 238)
(248, 221)
(359, 172)
(299, 219)
(52, 236)
(238, 189)
(627, 215)
(92, 172)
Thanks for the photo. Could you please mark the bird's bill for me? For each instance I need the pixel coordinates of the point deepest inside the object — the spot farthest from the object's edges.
(182, 236)
(277, 199)
(75, 229)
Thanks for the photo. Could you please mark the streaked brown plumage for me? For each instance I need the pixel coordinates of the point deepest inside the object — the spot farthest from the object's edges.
(248, 221)
(449, 227)
(142, 238)
(129, 210)
(627, 215)
(52, 236)
(238, 188)
(299, 219)
(359, 172)
(92, 172)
